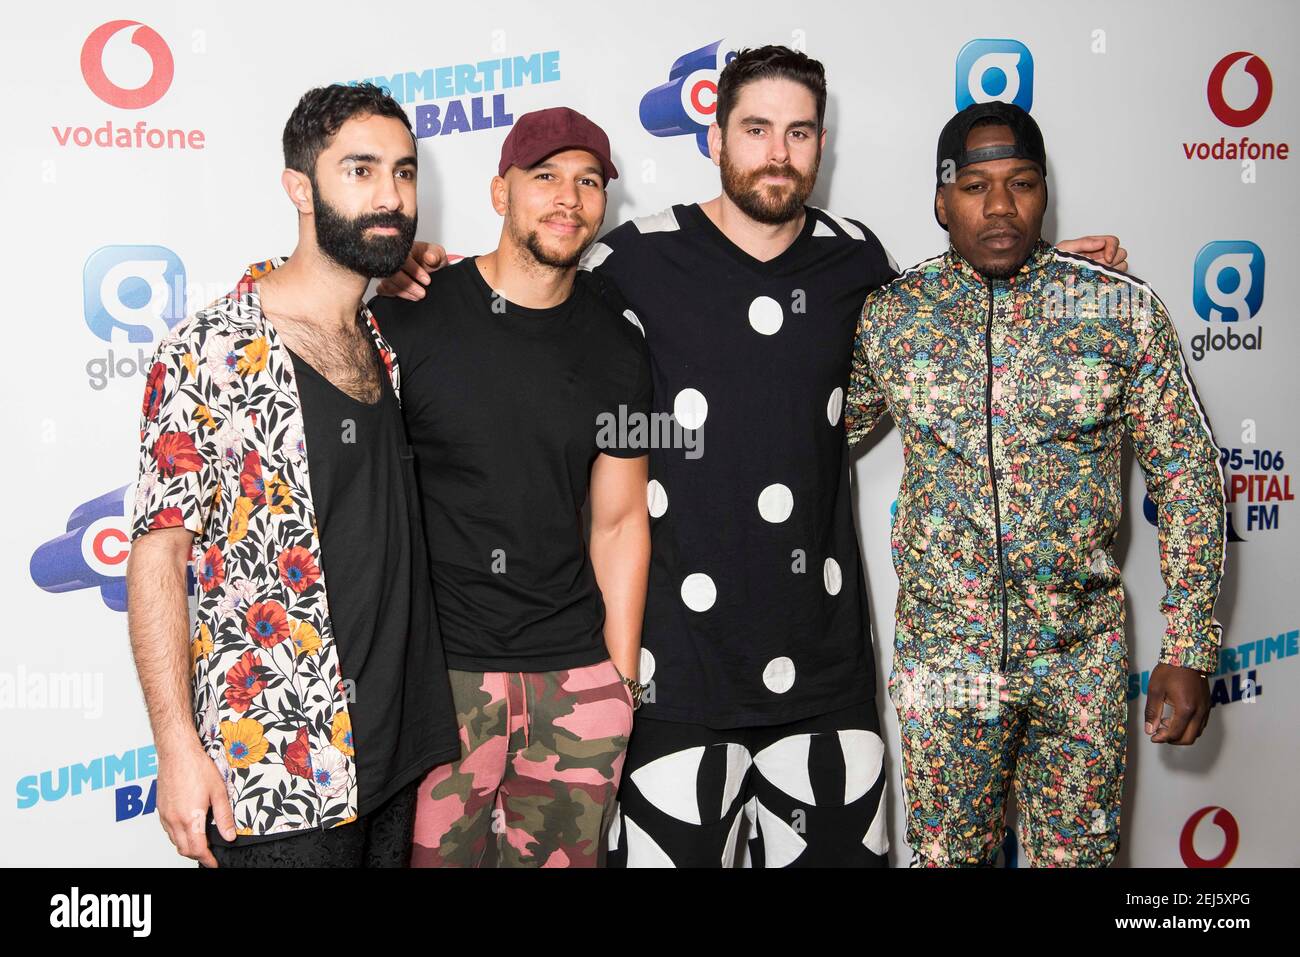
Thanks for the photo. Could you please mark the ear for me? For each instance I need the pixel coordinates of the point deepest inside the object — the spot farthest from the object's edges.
(821, 142)
(500, 191)
(298, 188)
(715, 144)
(940, 210)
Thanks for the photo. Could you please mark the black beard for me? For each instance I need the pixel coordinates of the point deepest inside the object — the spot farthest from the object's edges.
(753, 200)
(344, 240)
(1005, 272)
(532, 241)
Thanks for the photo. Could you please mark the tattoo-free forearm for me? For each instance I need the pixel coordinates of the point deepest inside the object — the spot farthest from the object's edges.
(620, 555)
(158, 620)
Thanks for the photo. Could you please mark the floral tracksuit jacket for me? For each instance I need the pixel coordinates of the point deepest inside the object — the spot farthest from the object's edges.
(1013, 398)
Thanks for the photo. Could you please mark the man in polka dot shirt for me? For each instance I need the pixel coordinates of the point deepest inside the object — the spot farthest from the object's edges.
(758, 742)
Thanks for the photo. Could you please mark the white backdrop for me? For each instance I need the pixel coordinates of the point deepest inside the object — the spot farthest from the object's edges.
(1121, 93)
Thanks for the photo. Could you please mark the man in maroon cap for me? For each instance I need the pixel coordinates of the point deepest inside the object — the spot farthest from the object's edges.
(516, 377)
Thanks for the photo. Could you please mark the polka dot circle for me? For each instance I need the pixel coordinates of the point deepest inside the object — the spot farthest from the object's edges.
(832, 577)
(656, 498)
(691, 408)
(835, 406)
(765, 315)
(630, 316)
(779, 675)
(698, 592)
(775, 503)
(647, 665)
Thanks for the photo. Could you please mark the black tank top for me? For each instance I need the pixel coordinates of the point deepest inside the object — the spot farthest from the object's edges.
(363, 487)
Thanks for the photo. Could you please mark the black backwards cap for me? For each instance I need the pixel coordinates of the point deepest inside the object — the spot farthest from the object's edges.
(953, 155)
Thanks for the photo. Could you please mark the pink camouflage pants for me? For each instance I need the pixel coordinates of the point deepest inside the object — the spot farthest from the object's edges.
(541, 755)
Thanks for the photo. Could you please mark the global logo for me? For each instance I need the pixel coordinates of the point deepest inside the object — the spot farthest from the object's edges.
(989, 70)
(133, 293)
(92, 552)
(1225, 822)
(162, 66)
(688, 102)
(1228, 287)
(1257, 69)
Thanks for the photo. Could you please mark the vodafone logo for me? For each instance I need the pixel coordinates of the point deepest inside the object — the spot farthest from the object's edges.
(1258, 70)
(147, 39)
(1231, 837)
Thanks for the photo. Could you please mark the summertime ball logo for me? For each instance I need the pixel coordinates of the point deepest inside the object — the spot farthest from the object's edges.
(147, 39)
(989, 70)
(687, 103)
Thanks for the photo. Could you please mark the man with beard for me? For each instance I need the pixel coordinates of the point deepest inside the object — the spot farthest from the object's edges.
(757, 642)
(316, 711)
(513, 367)
(1013, 398)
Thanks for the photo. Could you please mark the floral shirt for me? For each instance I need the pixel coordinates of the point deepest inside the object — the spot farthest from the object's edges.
(223, 454)
(1013, 399)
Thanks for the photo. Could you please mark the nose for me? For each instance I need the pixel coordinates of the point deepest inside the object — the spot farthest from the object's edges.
(778, 151)
(567, 195)
(386, 197)
(998, 201)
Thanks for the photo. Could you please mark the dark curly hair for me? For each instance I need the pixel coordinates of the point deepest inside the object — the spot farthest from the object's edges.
(322, 111)
(767, 63)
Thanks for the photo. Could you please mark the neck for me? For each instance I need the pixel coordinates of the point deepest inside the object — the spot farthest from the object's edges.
(763, 241)
(519, 277)
(312, 288)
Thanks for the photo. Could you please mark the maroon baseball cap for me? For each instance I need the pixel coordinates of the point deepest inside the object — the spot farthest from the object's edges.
(538, 134)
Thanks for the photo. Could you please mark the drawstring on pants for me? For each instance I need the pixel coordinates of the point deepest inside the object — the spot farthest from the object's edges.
(523, 691)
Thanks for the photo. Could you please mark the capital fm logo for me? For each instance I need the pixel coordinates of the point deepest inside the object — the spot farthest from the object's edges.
(989, 70)
(688, 102)
(113, 57)
(92, 551)
(163, 67)
(132, 295)
(1227, 826)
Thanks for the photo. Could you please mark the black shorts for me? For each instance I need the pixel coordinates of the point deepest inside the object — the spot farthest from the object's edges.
(381, 838)
(805, 794)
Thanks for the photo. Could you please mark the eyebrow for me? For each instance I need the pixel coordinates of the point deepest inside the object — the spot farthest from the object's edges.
(763, 121)
(408, 160)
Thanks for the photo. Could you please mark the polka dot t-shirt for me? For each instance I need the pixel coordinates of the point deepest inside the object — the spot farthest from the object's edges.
(757, 608)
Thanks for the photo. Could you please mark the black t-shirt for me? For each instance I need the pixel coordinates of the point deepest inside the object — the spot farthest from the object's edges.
(757, 609)
(505, 406)
(363, 488)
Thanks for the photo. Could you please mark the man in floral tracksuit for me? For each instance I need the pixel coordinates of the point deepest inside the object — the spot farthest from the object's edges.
(1013, 372)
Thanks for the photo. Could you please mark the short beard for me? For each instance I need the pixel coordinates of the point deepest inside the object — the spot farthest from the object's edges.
(532, 241)
(344, 241)
(755, 201)
(999, 272)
